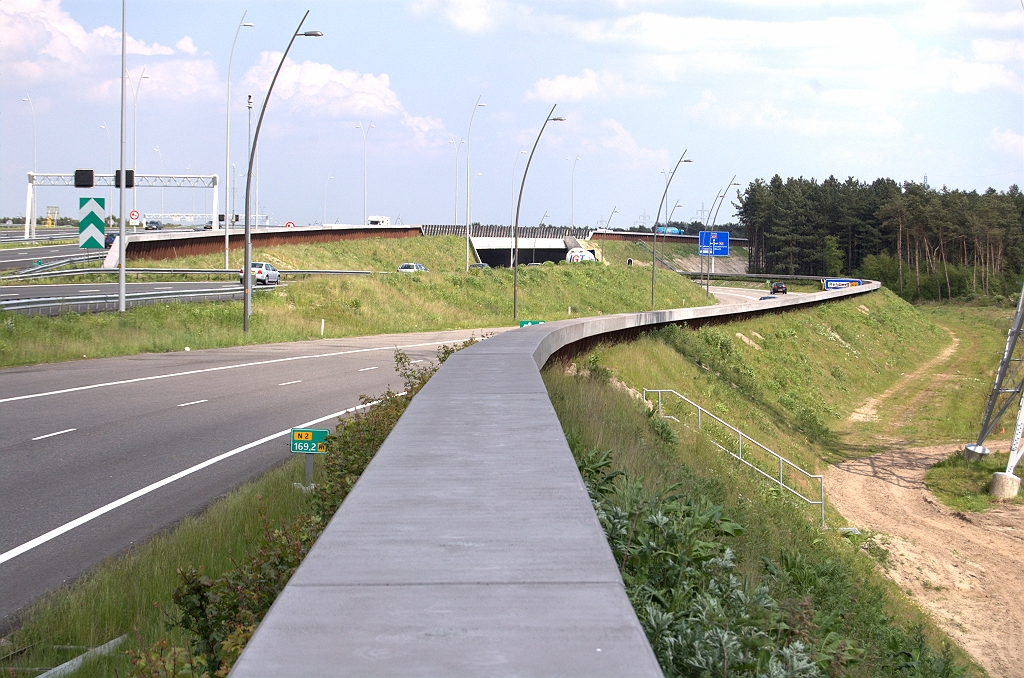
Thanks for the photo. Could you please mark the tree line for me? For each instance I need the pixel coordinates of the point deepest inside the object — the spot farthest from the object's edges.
(921, 242)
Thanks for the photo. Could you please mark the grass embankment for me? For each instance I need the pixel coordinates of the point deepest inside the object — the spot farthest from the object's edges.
(813, 369)
(617, 251)
(189, 599)
(445, 298)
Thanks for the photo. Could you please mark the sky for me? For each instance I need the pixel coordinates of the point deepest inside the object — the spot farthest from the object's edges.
(751, 88)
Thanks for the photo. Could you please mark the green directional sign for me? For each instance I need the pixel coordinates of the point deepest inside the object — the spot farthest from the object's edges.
(526, 323)
(309, 440)
(91, 213)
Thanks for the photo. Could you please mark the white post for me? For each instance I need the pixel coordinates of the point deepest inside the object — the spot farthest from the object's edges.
(29, 203)
(213, 217)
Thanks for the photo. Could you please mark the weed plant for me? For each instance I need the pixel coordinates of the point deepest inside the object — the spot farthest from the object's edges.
(727, 574)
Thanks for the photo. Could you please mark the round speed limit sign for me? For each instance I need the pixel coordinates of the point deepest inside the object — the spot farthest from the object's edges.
(290, 224)
(133, 215)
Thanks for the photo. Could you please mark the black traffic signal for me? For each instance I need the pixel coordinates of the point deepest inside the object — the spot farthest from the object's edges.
(84, 178)
(131, 179)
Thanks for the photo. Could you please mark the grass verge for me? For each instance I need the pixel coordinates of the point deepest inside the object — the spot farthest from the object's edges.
(963, 485)
(721, 566)
(445, 298)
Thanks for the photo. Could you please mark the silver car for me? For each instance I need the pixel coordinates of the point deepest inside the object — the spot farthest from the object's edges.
(412, 268)
(264, 274)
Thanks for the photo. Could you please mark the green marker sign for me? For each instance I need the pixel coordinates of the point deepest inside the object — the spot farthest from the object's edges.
(309, 440)
(524, 323)
(91, 212)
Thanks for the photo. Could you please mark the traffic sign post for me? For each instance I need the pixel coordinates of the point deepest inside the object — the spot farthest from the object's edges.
(309, 441)
(91, 213)
(712, 244)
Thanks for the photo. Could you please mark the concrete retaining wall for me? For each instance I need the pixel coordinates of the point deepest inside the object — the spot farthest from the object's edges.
(469, 547)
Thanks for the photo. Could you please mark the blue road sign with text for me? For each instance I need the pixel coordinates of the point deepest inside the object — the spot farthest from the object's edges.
(713, 243)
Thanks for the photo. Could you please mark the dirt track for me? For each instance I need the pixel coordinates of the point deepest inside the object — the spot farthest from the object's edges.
(963, 568)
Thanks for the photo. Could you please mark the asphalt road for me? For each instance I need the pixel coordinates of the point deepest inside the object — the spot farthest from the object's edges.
(72, 290)
(18, 234)
(738, 295)
(22, 257)
(87, 444)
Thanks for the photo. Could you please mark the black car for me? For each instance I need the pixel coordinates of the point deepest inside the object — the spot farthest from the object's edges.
(778, 288)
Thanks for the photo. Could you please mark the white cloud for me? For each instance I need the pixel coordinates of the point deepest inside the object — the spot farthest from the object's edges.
(320, 89)
(621, 140)
(186, 45)
(590, 85)
(471, 16)
(1008, 141)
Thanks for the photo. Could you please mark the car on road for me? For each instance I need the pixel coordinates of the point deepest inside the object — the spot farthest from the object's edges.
(109, 240)
(263, 273)
(153, 225)
(412, 268)
(778, 288)
(472, 266)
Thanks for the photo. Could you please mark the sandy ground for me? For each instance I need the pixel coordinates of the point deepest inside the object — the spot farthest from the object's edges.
(963, 568)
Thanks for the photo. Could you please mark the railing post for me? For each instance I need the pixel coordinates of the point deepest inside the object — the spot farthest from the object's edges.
(780, 472)
(740, 438)
(821, 485)
(659, 405)
(699, 410)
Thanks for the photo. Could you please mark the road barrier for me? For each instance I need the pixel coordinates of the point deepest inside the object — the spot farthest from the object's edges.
(87, 303)
(469, 545)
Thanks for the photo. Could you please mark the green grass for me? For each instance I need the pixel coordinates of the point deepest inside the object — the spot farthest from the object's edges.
(838, 574)
(45, 243)
(445, 298)
(963, 485)
(131, 594)
(617, 251)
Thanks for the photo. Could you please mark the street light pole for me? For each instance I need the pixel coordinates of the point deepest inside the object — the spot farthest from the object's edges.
(247, 265)
(110, 165)
(512, 207)
(654, 248)
(469, 145)
(227, 144)
(519, 204)
(365, 131)
(135, 130)
(30, 228)
(324, 222)
(121, 245)
(456, 147)
(572, 189)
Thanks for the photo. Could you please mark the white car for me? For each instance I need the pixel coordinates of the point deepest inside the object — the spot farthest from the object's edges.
(264, 274)
(412, 268)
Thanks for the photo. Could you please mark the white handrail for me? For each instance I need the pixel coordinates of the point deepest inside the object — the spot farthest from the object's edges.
(740, 437)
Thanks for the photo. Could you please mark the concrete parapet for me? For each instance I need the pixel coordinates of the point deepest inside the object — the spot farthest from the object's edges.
(1004, 486)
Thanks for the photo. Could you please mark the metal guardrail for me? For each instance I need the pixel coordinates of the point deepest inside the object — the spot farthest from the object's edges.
(62, 262)
(740, 437)
(103, 302)
(755, 276)
(167, 271)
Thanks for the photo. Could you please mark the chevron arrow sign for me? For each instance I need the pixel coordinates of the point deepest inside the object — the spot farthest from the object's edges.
(91, 213)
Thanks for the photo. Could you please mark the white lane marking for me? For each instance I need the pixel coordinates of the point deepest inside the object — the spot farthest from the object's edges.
(82, 520)
(367, 368)
(289, 383)
(215, 369)
(88, 290)
(50, 435)
(10, 294)
(163, 288)
(194, 402)
(413, 362)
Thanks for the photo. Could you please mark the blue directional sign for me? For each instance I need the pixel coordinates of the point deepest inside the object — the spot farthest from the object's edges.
(713, 243)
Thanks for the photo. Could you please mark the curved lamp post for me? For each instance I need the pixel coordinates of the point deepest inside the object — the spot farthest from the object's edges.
(512, 206)
(246, 276)
(227, 144)
(365, 131)
(135, 130)
(469, 144)
(720, 198)
(456, 147)
(30, 228)
(519, 204)
(654, 247)
(324, 222)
